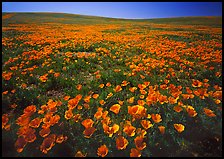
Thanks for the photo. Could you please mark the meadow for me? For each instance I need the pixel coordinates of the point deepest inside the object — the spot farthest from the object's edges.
(85, 86)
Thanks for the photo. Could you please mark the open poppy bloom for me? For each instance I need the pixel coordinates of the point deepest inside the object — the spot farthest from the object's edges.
(72, 103)
(110, 130)
(29, 110)
(115, 108)
(23, 120)
(146, 124)
(35, 123)
(61, 138)
(48, 143)
(44, 132)
(129, 130)
(209, 112)
(140, 145)
(121, 143)
(135, 153)
(117, 88)
(202, 93)
(20, 144)
(101, 85)
(108, 84)
(87, 123)
(95, 96)
(196, 83)
(102, 151)
(30, 137)
(68, 114)
(177, 108)
(98, 115)
(141, 102)
(191, 112)
(137, 111)
(161, 129)
(132, 89)
(79, 86)
(88, 132)
(179, 127)
(5, 120)
(131, 100)
(156, 118)
(87, 99)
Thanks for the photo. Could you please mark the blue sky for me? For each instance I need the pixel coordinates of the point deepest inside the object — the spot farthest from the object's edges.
(120, 9)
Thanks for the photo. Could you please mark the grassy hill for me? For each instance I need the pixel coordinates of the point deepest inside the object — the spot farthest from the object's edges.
(14, 17)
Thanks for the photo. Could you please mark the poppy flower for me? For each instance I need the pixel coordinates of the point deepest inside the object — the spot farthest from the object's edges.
(117, 88)
(110, 130)
(87, 123)
(56, 74)
(191, 112)
(102, 151)
(196, 83)
(79, 87)
(35, 123)
(172, 100)
(5, 120)
(137, 111)
(48, 143)
(88, 132)
(29, 110)
(68, 114)
(161, 129)
(131, 100)
(79, 154)
(20, 144)
(121, 143)
(129, 130)
(135, 153)
(162, 99)
(23, 120)
(146, 124)
(30, 137)
(202, 93)
(156, 118)
(115, 108)
(61, 138)
(87, 99)
(179, 127)
(177, 108)
(101, 85)
(77, 117)
(141, 86)
(66, 97)
(109, 95)
(98, 115)
(132, 89)
(108, 84)
(140, 145)
(209, 112)
(44, 132)
(141, 102)
(146, 83)
(95, 96)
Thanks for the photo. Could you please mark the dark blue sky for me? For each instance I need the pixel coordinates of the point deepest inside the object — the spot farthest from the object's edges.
(120, 9)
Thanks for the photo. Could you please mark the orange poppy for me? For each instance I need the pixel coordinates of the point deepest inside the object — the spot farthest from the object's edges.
(110, 130)
(132, 89)
(141, 102)
(109, 95)
(129, 130)
(177, 108)
(161, 129)
(108, 84)
(61, 138)
(20, 144)
(44, 132)
(102, 151)
(137, 111)
(172, 100)
(77, 117)
(95, 96)
(209, 112)
(140, 145)
(179, 127)
(87, 123)
(87, 99)
(162, 99)
(135, 153)
(5, 120)
(202, 93)
(88, 132)
(131, 100)
(101, 85)
(191, 112)
(66, 97)
(29, 110)
(125, 83)
(102, 102)
(80, 154)
(121, 143)
(68, 114)
(117, 88)
(196, 83)
(23, 120)
(56, 74)
(30, 137)
(141, 86)
(146, 124)
(35, 123)
(48, 143)
(115, 108)
(79, 87)
(156, 118)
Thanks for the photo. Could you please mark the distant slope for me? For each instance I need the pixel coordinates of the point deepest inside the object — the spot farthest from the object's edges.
(35, 17)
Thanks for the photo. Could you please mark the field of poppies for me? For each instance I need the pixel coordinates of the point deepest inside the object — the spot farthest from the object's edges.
(88, 86)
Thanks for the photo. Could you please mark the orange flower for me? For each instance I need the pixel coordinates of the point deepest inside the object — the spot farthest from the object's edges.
(102, 151)
(129, 130)
(66, 97)
(102, 102)
(191, 112)
(79, 87)
(179, 127)
(56, 74)
(101, 85)
(23, 120)
(5, 120)
(172, 100)
(125, 83)
(35, 123)
(95, 96)
(209, 112)
(156, 118)
(115, 108)
(77, 117)
(88, 132)
(20, 144)
(29, 110)
(132, 89)
(146, 124)
(44, 132)
(87, 123)
(108, 84)
(121, 143)
(131, 100)
(135, 153)
(162, 99)
(137, 111)
(140, 145)
(43, 78)
(61, 138)
(177, 108)
(30, 136)
(117, 88)
(141, 86)
(68, 114)
(161, 129)
(48, 143)
(79, 154)
(196, 83)
(5, 92)
(87, 99)
(109, 95)
(141, 102)
(110, 130)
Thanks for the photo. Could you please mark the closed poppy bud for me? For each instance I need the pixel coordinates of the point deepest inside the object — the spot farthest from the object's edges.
(161, 129)
(209, 112)
(102, 151)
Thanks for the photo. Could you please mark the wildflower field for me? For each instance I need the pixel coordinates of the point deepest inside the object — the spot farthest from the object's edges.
(77, 86)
